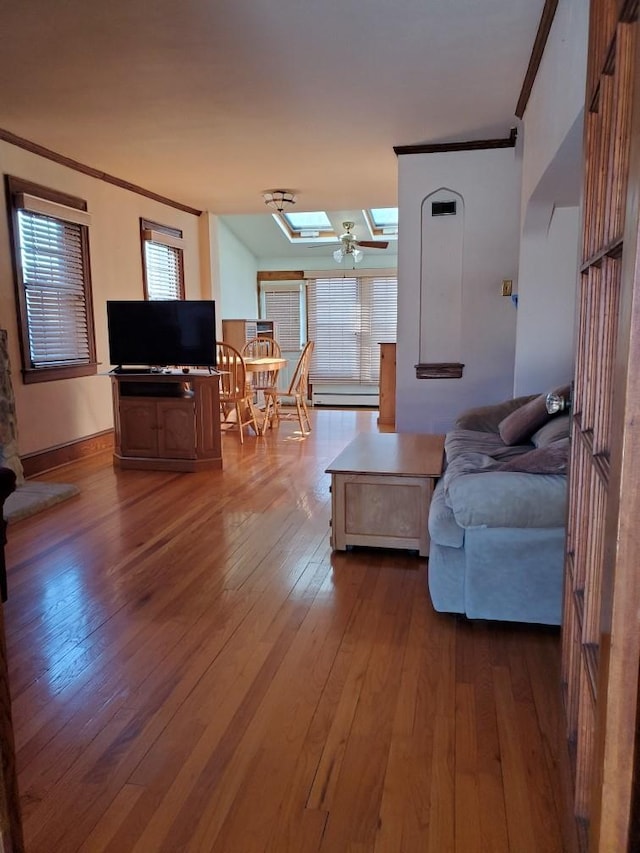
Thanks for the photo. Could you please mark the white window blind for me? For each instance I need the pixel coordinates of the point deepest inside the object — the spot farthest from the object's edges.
(348, 318)
(283, 307)
(164, 271)
(53, 277)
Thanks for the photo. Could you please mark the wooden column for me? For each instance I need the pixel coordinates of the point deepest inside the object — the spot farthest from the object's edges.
(387, 415)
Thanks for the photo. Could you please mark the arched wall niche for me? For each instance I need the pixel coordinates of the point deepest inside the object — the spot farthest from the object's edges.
(441, 276)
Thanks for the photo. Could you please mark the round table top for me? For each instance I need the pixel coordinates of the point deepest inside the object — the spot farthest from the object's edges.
(264, 363)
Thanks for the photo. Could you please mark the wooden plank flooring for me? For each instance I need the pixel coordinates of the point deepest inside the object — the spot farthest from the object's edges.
(193, 669)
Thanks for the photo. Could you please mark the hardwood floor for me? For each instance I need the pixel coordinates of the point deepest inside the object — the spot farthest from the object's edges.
(192, 669)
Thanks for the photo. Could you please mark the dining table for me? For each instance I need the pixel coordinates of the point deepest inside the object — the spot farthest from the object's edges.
(264, 364)
(258, 365)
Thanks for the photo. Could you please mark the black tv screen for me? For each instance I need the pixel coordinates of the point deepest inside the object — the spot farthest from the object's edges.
(161, 333)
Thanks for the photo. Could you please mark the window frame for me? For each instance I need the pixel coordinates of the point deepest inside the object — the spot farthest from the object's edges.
(30, 372)
(174, 235)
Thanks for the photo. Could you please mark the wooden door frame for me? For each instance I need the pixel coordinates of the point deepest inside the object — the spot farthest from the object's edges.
(617, 718)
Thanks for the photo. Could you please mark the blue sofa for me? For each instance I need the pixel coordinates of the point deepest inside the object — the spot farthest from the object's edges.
(497, 516)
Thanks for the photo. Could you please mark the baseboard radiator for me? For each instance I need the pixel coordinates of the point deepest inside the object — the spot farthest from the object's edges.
(345, 395)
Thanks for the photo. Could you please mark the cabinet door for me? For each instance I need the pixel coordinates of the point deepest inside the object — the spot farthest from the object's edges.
(138, 428)
(176, 429)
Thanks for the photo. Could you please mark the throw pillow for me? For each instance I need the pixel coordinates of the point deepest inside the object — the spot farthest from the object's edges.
(552, 459)
(487, 418)
(558, 427)
(520, 425)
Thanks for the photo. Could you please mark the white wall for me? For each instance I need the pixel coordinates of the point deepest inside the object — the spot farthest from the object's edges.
(54, 413)
(238, 282)
(557, 97)
(551, 188)
(544, 354)
(489, 183)
(210, 263)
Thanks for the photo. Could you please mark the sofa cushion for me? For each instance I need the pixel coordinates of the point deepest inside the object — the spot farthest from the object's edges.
(551, 459)
(520, 425)
(558, 428)
(508, 499)
(460, 442)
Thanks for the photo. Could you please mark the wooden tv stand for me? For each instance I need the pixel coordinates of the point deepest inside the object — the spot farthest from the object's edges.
(166, 421)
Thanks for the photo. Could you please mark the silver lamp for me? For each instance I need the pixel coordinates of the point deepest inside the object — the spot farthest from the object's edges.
(556, 403)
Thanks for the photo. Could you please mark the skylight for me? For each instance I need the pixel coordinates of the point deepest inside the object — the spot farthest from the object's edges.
(382, 221)
(383, 217)
(317, 220)
(314, 226)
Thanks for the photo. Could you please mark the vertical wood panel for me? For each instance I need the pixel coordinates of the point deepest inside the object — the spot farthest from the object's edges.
(602, 361)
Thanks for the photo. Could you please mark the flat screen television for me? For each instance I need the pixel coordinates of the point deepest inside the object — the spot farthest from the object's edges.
(162, 333)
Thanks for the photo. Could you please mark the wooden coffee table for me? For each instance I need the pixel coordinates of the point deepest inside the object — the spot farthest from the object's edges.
(381, 487)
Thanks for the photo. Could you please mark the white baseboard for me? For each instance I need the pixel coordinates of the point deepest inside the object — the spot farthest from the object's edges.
(321, 397)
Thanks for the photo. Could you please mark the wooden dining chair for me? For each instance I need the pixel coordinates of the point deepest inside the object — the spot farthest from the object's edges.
(296, 392)
(262, 347)
(236, 396)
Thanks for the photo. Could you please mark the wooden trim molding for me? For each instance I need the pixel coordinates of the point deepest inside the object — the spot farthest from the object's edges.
(48, 154)
(544, 28)
(62, 454)
(470, 145)
(280, 275)
(439, 370)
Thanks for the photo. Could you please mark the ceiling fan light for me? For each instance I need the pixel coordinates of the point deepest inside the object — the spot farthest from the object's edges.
(357, 255)
(338, 255)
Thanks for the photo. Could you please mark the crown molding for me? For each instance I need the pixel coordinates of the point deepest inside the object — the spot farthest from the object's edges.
(470, 145)
(48, 154)
(546, 19)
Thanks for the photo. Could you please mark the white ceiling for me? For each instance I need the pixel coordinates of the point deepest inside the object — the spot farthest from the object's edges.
(210, 102)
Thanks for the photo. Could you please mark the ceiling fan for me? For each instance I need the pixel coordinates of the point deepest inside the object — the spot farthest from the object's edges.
(349, 244)
(349, 240)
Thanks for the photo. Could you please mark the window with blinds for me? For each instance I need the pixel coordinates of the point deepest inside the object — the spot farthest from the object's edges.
(283, 307)
(162, 256)
(50, 242)
(347, 319)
